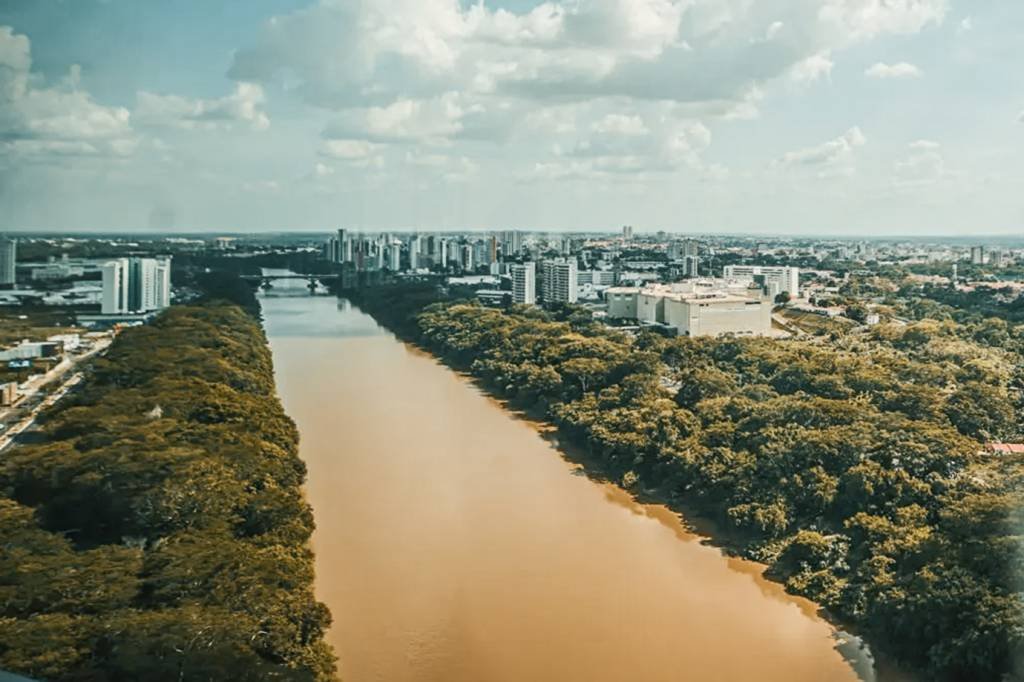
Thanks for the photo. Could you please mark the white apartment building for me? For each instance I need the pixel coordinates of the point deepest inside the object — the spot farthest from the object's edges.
(778, 279)
(135, 285)
(524, 283)
(560, 281)
(604, 278)
(115, 287)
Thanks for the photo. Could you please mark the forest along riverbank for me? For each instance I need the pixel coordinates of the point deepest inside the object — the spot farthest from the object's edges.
(453, 542)
(157, 529)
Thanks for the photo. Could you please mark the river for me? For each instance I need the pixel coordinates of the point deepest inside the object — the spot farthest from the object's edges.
(454, 543)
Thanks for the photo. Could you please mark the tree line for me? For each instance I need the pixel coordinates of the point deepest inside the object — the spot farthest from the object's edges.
(158, 530)
(855, 469)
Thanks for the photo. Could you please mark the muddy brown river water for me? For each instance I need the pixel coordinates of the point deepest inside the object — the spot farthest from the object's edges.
(454, 542)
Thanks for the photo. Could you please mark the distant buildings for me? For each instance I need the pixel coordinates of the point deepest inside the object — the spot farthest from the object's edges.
(415, 253)
(596, 277)
(694, 307)
(136, 285)
(492, 249)
(691, 266)
(978, 255)
(395, 256)
(28, 350)
(627, 233)
(560, 281)
(776, 279)
(339, 249)
(511, 243)
(680, 249)
(8, 260)
(55, 271)
(524, 283)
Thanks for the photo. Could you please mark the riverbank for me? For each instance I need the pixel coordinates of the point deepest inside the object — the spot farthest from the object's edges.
(687, 521)
(878, 545)
(454, 542)
(159, 531)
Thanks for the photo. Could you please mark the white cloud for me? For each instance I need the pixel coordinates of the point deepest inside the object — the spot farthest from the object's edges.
(869, 18)
(353, 153)
(55, 120)
(427, 120)
(966, 25)
(899, 70)
(620, 124)
(448, 168)
(925, 165)
(592, 79)
(617, 144)
(349, 150)
(812, 68)
(375, 52)
(828, 159)
(241, 106)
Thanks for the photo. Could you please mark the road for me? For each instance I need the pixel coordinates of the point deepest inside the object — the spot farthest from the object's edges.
(36, 399)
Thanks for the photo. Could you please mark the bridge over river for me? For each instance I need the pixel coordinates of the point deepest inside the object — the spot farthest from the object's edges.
(266, 280)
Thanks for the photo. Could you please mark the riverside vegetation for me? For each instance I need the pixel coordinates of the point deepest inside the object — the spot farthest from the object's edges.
(855, 469)
(159, 531)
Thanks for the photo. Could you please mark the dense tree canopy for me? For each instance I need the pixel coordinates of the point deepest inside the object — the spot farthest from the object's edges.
(159, 531)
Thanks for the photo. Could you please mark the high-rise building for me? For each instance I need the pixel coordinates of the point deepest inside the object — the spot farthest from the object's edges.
(454, 252)
(560, 281)
(415, 249)
(115, 287)
(442, 253)
(691, 266)
(492, 249)
(8, 261)
(978, 255)
(524, 283)
(339, 249)
(681, 248)
(511, 243)
(163, 283)
(135, 285)
(395, 256)
(627, 232)
(467, 257)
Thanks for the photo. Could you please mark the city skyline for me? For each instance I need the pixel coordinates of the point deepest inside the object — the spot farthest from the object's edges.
(842, 118)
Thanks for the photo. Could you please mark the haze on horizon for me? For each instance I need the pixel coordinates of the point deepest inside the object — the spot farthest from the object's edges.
(868, 117)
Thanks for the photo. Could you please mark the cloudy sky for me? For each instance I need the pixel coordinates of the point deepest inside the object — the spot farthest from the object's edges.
(777, 116)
